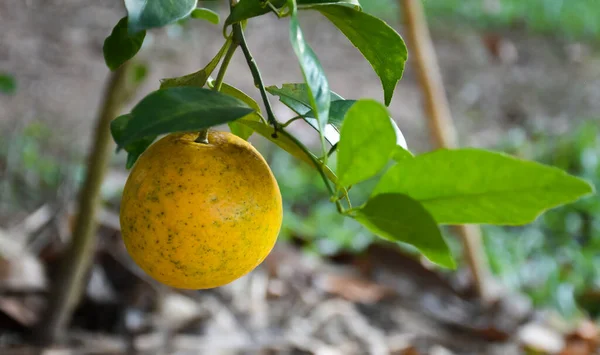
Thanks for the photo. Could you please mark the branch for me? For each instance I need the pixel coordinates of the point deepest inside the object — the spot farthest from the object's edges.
(441, 125)
(77, 259)
(238, 37)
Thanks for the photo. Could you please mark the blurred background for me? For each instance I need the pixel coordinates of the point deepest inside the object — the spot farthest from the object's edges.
(521, 77)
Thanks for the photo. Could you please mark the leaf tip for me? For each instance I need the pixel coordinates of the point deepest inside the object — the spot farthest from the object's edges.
(446, 261)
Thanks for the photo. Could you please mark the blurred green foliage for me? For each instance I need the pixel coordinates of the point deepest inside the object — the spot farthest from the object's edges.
(570, 18)
(33, 169)
(23, 153)
(8, 84)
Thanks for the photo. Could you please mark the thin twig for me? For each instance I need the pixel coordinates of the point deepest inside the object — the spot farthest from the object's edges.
(238, 37)
(291, 120)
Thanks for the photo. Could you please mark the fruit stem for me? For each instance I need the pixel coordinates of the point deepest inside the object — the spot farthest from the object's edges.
(202, 137)
(203, 134)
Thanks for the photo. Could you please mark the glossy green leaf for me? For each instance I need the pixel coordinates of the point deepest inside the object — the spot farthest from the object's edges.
(314, 76)
(133, 149)
(366, 143)
(337, 112)
(120, 46)
(283, 142)
(199, 78)
(8, 84)
(379, 43)
(117, 128)
(472, 186)
(146, 14)
(246, 9)
(399, 218)
(241, 130)
(206, 14)
(238, 94)
(181, 109)
(309, 4)
(296, 97)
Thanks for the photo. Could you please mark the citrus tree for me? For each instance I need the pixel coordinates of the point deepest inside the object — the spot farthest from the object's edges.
(414, 194)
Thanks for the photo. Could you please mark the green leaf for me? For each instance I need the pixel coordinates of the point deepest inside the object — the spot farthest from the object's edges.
(377, 41)
(139, 73)
(199, 78)
(135, 148)
(237, 128)
(238, 94)
(400, 153)
(471, 186)
(366, 143)
(318, 87)
(206, 14)
(180, 109)
(399, 218)
(283, 142)
(337, 112)
(246, 9)
(309, 4)
(120, 46)
(146, 14)
(296, 97)
(117, 128)
(8, 84)
(242, 130)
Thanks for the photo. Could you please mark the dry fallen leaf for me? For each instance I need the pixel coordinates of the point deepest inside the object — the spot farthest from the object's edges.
(353, 288)
(25, 313)
(410, 351)
(583, 341)
(577, 347)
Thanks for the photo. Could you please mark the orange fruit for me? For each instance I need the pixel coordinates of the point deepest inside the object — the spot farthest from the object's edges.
(198, 216)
